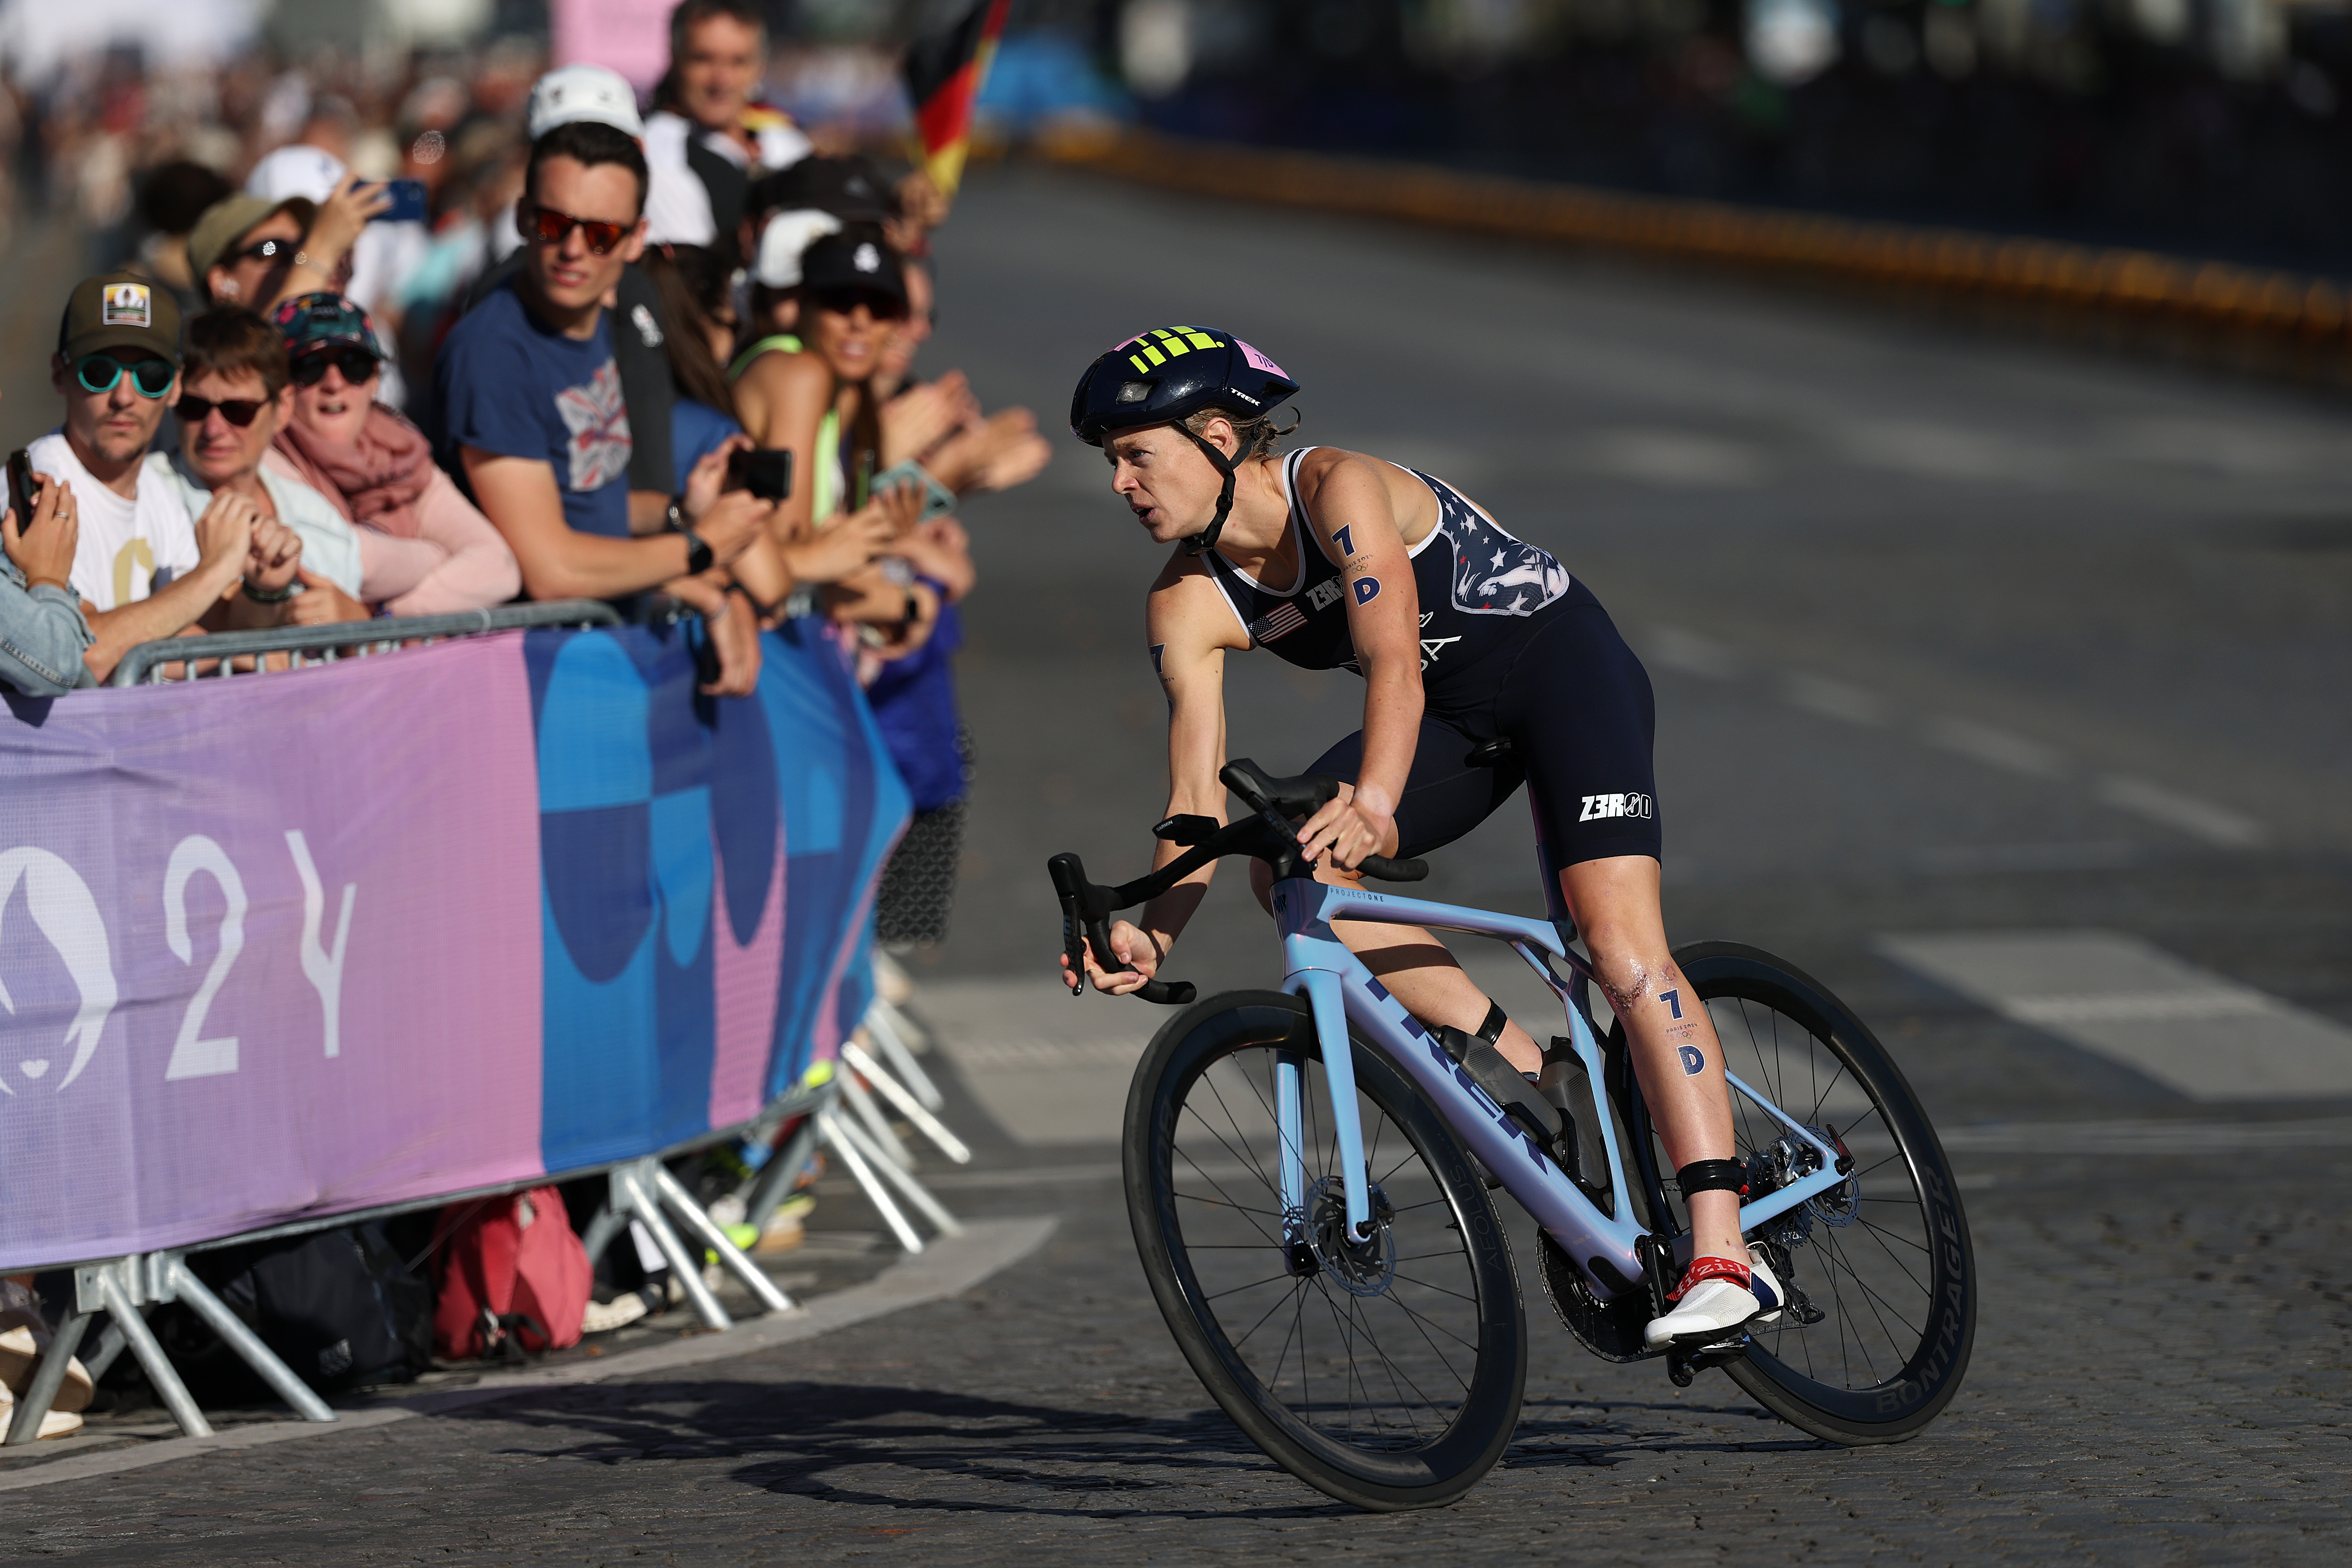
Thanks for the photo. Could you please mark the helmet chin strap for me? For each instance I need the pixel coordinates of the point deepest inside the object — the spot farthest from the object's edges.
(1205, 540)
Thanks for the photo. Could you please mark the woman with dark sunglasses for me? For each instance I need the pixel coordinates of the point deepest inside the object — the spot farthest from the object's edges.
(425, 549)
(826, 305)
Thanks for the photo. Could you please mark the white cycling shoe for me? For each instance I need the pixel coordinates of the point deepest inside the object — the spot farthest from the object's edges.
(1717, 1307)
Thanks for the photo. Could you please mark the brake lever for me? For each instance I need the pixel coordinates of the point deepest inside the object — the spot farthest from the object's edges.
(1082, 927)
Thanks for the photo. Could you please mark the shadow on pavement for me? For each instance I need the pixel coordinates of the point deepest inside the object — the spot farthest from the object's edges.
(884, 1445)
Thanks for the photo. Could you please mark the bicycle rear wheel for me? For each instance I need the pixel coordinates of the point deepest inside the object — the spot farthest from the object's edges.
(1387, 1374)
(1879, 1271)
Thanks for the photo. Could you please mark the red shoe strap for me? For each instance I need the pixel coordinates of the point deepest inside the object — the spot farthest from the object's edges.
(1703, 1270)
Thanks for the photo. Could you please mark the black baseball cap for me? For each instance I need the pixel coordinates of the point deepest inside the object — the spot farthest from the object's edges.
(120, 310)
(857, 257)
(851, 189)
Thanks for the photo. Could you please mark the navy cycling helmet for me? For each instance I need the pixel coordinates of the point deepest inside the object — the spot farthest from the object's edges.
(1164, 376)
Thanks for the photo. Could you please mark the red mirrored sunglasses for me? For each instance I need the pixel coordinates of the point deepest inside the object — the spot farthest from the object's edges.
(551, 228)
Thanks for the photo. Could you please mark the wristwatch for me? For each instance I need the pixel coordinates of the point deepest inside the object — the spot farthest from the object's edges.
(698, 556)
(270, 595)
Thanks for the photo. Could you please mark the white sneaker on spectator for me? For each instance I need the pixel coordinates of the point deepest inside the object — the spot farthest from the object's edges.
(56, 1423)
(604, 1317)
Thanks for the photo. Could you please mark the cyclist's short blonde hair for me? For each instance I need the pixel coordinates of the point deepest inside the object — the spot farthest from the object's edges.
(1258, 433)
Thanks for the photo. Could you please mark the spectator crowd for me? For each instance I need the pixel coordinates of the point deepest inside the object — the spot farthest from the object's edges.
(662, 356)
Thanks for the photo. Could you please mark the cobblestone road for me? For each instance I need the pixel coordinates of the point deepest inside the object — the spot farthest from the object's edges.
(1949, 636)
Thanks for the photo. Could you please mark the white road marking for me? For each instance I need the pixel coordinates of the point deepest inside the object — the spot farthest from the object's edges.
(1680, 459)
(1834, 699)
(1688, 652)
(2148, 1136)
(2115, 996)
(1051, 1070)
(2095, 856)
(2198, 818)
(1994, 747)
(1693, 655)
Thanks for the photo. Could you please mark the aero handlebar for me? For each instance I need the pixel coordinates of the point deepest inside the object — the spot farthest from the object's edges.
(1266, 834)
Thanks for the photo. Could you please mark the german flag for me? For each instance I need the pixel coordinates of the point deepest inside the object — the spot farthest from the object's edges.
(944, 73)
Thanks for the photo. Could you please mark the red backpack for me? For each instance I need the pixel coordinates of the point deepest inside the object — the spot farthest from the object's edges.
(513, 1277)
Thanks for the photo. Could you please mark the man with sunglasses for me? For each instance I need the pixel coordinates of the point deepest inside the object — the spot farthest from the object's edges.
(533, 418)
(576, 94)
(144, 570)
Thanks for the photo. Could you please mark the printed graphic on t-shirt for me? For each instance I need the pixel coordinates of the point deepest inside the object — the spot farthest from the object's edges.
(599, 423)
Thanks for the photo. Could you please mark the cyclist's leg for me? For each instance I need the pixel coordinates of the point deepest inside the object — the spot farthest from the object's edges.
(1445, 797)
(1614, 901)
(1582, 719)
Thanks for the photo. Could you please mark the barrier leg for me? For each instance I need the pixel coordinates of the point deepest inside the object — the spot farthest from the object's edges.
(835, 1132)
(48, 1376)
(151, 1358)
(884, 1139)
(890, 1029)
(909, 1105)
(774, 1185)
(681, 1204)
(631, 1187)
(604, 1226)
(180, 1282)
(913, 1191)
(111, 1344)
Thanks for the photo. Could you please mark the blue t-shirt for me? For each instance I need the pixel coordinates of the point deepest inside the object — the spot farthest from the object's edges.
(914, 705)
(512, 385)
(696, 430)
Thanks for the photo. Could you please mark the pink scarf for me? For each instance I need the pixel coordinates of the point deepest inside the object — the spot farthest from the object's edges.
(378, 477)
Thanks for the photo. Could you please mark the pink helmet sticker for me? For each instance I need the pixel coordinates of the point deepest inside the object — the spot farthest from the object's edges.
(1259, 362)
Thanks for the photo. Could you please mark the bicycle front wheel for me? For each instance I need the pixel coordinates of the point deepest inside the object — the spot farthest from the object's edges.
(1879, 1272)
(1386, 1374)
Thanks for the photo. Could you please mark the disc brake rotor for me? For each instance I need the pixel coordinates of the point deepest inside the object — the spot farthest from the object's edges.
(1359, 1267)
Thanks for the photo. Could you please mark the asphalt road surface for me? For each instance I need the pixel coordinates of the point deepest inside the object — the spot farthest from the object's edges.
(2001, 687)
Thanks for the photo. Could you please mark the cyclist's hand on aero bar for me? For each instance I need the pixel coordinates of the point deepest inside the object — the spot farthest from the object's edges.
(1127, 942)
(1350, 826)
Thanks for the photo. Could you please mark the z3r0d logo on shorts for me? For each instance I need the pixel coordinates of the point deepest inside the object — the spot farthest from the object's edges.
(1597, 806)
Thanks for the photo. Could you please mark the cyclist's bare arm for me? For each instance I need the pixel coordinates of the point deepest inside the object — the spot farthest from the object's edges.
(1362, 508)
(1190, 628)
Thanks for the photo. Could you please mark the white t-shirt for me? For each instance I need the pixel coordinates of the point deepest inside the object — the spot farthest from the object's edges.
(131, 545)
(329, 548)
(678, 205)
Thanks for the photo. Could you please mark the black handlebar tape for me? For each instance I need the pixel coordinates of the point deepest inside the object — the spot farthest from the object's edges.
(1167, 993)
(1388, 870)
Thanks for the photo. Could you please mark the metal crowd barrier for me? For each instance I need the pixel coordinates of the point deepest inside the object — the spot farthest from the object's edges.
(144, 665)
(643, 1190)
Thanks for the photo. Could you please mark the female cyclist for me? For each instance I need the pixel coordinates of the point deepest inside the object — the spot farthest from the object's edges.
(1484, 664)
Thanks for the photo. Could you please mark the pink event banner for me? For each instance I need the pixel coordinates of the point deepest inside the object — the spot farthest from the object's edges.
(268, 946)
(631, 36)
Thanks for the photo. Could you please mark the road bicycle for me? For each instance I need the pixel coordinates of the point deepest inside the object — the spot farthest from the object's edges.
(1323, 1245)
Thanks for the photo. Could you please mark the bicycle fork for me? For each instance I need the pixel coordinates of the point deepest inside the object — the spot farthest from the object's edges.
(1322, 989)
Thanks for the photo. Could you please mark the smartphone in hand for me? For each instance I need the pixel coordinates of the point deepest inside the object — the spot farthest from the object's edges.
(765, 471)
(408, 203)
(21, 489)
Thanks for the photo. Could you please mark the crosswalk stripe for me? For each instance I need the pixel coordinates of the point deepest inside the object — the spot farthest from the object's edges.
(2121, 998)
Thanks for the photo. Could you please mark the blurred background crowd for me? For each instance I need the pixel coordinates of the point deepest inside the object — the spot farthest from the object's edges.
(2213, 126)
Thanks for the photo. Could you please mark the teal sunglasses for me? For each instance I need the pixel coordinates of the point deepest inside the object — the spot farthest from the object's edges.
(98, 372)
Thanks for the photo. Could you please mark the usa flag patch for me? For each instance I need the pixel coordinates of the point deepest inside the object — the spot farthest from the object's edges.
(1277, 622)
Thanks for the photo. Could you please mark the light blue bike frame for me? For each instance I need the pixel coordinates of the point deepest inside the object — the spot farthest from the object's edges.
(1342, 992)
